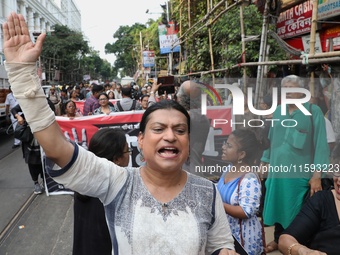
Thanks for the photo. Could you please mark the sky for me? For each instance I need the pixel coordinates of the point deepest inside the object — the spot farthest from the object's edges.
(101, 19)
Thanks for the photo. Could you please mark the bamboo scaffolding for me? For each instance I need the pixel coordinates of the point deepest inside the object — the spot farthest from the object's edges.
(201, 20)
(262, 53)
(211, 47)
(311, 58)
(205, 25)
(243, 49)
(312, 41)
(280, 62)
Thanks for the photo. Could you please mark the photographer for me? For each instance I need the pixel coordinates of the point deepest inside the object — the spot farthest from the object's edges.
(127, 103)
(135, 92)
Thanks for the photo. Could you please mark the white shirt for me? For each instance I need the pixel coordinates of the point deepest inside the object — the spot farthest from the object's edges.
(329, 131)
(118, 95)
(11, 101)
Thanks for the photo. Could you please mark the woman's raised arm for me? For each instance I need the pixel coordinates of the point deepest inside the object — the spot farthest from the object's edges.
(21, 56)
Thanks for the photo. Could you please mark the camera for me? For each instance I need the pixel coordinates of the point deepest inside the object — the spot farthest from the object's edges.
(134, 93)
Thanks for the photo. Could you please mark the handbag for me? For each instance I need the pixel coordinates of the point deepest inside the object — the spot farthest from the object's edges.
(23, 132)
(32, 152)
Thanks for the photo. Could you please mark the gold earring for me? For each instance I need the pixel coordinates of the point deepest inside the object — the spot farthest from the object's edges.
(141, 156)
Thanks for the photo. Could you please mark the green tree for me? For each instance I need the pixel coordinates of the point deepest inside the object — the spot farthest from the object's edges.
(194, 22)
(67, 51)
(63, 50)
(126, 48)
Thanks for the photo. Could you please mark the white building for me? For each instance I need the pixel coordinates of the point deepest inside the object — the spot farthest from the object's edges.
(40, 15)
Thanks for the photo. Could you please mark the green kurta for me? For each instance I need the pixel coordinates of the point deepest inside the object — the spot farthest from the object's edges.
(290, 154)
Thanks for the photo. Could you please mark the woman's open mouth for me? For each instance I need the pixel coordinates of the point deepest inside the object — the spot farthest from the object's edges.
(168, 151)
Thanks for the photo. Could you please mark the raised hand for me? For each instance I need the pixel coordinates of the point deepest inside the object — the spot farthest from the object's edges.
(155, 85)
(18, 46)
(83, 142)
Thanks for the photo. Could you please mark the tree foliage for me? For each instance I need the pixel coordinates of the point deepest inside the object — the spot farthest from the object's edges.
(194, 23)
(126, 48)
(67, 51)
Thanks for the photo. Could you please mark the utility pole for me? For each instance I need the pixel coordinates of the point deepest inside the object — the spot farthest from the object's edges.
(170, 53)
(141, 56)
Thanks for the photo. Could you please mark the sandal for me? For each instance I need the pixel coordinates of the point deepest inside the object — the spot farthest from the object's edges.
(272, 246)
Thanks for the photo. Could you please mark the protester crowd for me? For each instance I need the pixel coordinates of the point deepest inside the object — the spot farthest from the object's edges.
(162, 206)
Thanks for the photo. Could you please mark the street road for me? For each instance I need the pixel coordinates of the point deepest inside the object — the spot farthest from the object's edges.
(30, 224)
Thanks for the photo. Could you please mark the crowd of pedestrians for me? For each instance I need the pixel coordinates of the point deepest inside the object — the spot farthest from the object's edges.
(125, 208)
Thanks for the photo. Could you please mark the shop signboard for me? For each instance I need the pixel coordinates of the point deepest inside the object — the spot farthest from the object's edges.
(306, 44)
(331, 34)
(148, 58)
(328, 9)
(295, 21)
(168, 39)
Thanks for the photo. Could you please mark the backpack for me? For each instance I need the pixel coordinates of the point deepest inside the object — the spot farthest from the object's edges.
(133, 106)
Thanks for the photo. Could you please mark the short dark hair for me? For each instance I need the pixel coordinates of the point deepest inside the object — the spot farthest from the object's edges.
(146, 95)
(253, 142)
(64, 105)
(96, 88)
(162, 105)
(104, 94)
(108, 143)
(126, 90)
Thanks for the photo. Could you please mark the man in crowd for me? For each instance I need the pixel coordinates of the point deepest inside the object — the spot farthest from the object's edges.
(303, 148)
(82, 91)
(78, 89)
(107, 86)
(118, 92)
(92, 102)
(63, 96)
(189, 96)
(127, 103)
(148, 89)
(10, 103)
(144, 101)
(143, 91)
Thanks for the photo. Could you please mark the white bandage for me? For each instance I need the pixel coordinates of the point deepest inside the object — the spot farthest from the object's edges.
(26, 88)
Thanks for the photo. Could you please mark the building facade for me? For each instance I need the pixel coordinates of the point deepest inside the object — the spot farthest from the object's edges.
(40, 15)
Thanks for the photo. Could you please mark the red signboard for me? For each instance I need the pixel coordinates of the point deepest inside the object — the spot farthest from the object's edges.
(333, 34)
(295, 21)
(325, 37)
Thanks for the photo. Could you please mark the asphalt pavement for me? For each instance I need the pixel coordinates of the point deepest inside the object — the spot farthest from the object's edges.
(29, 223)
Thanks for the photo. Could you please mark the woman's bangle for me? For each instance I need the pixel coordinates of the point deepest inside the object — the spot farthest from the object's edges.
(291, 247)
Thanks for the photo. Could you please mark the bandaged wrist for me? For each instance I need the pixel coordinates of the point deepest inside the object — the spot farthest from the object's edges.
(26, 88)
